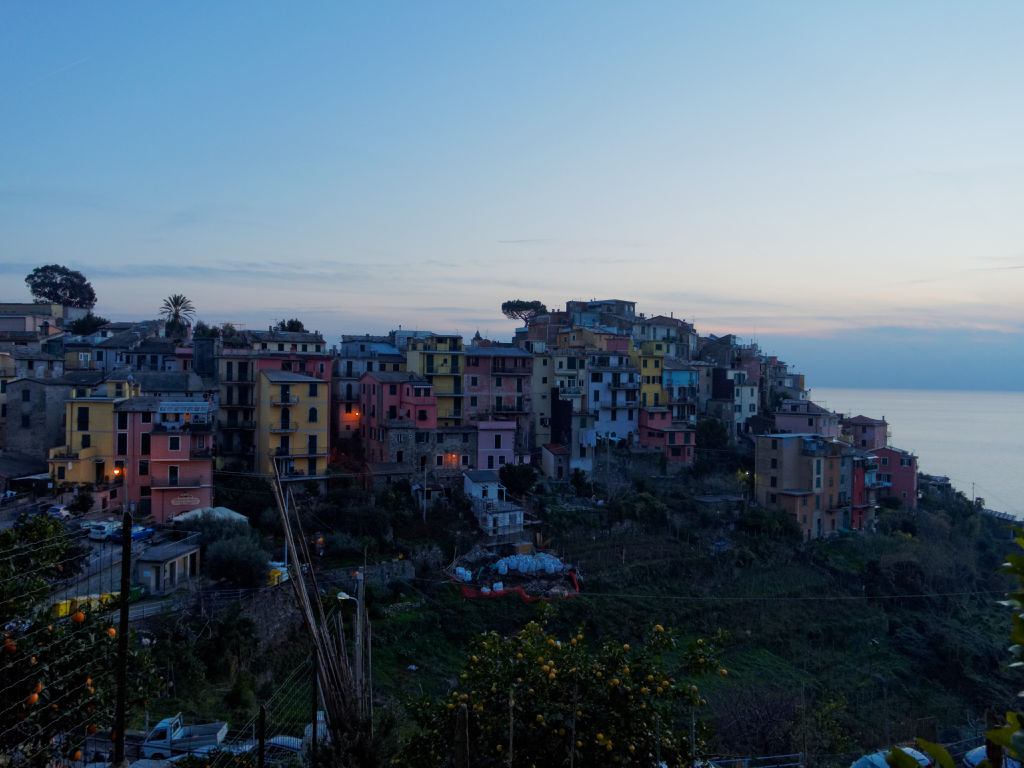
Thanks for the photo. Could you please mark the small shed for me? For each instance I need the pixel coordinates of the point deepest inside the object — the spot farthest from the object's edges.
(163, 568)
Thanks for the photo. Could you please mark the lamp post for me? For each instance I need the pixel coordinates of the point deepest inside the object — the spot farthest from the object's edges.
(364, 687)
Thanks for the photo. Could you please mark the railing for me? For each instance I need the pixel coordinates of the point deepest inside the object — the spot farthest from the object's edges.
(244, 424)
(570, 391)
(182, 481)
(200, 453)
(284, 426)
(283, 400)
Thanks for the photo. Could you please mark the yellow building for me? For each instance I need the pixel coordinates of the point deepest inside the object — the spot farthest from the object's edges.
(293, 425)
(87, 456)
(438, 358)
(649, 360)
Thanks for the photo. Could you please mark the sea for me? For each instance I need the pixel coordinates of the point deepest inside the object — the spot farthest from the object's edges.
(975, 438)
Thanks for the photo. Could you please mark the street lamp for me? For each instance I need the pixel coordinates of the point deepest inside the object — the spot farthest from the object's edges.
(362, 686)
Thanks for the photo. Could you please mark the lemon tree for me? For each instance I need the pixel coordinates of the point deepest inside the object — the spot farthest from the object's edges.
(534, 699)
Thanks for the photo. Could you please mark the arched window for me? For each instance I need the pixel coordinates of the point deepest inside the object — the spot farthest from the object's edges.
(312, 415)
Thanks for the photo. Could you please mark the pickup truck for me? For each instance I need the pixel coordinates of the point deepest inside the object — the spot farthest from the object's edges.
(171, 737)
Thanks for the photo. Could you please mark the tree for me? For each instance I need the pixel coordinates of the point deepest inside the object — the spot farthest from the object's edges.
(91, 323)
(294, 325)
(204, 331)
(518, 479)
(178, 311)
(522, 310)
(533, 699)
(57, 672)
(60, 285)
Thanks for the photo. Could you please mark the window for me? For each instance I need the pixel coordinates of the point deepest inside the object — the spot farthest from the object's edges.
(26, 396)
(472, 401)
(61, 473)
(774, 482)
(392, 389)
(543, 379)
(885, 461)
(490, 462)
(501, 460)
(147, 417)
(144, 444)
(174, 443)
(439, 460)
(122, 420)
(472, 381)
(122, 444)
(497, 441)
(86, 441)
(465, 460)
(313, 390)
(312, 416)
(497, 381)
(26, 421)
(83, 418)
(143, 467)
(421, 415)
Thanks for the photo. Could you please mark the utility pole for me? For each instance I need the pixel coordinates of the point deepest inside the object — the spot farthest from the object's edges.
(122, 639)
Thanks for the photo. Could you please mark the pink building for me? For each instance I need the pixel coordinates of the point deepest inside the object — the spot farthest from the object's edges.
(496, 444)
(497, 382)
(897, 473)
(866, 433)
(803, 416)
(658, 432)
(395, 410)
(164, 448)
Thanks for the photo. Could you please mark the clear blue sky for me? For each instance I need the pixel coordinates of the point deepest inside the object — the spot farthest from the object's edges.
(843, 182)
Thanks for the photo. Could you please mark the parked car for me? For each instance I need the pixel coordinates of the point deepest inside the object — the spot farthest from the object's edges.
(877, 759)
(102, 531)
(139, 533)
(58, 512)
(976, 755)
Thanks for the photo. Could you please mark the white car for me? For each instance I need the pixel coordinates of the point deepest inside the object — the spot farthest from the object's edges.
(58, 512)
(976, 755)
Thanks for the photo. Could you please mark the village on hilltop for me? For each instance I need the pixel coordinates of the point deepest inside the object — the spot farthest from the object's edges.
(141, 414)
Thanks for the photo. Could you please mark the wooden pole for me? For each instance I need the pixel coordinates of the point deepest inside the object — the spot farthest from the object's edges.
(120, 710)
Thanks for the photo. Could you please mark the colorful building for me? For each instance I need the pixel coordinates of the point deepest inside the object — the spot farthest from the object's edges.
(293, 425)
(675, 441)
(164, 450)
(897, 474)
(439, 358)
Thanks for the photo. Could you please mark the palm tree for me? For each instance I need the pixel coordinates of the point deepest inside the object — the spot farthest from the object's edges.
(178, 311)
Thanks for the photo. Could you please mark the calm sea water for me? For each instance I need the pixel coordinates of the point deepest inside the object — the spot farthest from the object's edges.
(971, 437)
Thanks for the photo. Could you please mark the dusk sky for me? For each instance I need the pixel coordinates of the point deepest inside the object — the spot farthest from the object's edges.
(841, 182)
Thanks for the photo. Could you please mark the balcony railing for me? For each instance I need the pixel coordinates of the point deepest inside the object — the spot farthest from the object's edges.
(200, 453)
(278, 400)
(182, 481)
(570, 391)
(243, 424)
(284, 426)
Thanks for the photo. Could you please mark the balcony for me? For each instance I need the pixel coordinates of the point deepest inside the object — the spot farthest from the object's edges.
(397, 423)
(625, 385)
(243, 424)
(182, 481)
(243, 450)
(284, 426)
(200, 453)
(570, 391)
(239, 378)
(296, 453)
(509, 408)
(278, 400)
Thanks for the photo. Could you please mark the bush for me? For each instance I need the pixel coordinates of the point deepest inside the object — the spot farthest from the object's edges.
(239, 559)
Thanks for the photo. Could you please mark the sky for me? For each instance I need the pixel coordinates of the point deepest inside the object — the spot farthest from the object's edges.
(840, 182)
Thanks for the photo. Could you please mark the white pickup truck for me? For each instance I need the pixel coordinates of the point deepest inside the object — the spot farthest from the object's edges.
(171, 737)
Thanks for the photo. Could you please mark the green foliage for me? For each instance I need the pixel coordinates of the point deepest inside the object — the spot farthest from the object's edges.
(91, 323)
(292, 325)
(56, 673)
(238, 559)
(1011, 736)
(179, 312)
(534, 699)
(204, 331)
(60, 285)
(518, 479)
(82, 503)
(524, 311)
(711, 435)
(579, 482)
